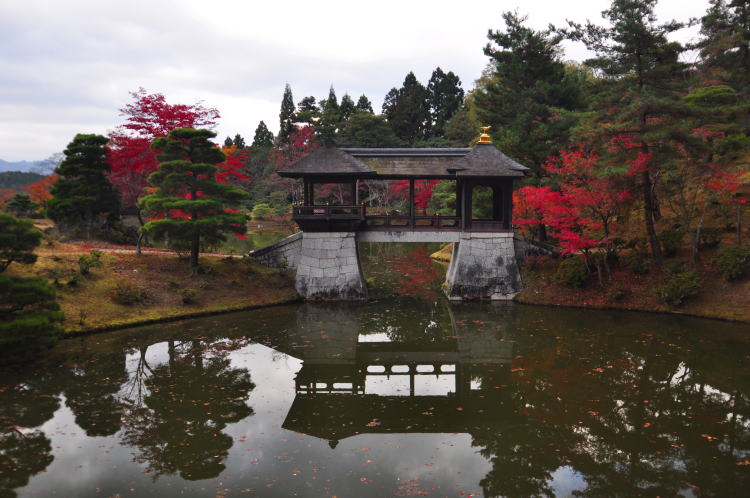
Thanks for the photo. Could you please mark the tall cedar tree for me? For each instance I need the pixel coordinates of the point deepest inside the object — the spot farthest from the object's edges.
(83, 193)
(28, 307)
(239, 142)
(637, 115)
(327, 127)
(407, 111)
(444, 97)
(192, 205)
(526, 94)
(263, 136)
(286, 115)
(347, 107)
(364, 104)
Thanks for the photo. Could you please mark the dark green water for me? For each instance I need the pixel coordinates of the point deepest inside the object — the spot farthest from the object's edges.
(407, 395)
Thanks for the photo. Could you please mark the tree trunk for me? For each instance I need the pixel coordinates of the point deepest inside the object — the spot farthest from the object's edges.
(648, 215)
(194, 251)
(739, 224)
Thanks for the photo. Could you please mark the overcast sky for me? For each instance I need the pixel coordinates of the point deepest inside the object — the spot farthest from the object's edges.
(66, 66)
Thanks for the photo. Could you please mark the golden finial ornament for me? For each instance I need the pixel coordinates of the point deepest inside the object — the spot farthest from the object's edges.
(484, 138)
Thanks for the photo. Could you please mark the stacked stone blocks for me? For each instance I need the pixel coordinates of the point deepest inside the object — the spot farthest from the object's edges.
(328, 267)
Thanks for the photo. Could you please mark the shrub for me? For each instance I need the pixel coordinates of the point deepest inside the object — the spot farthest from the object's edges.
(261, 211)
(671, 240)
(637, 261)
(617, 292)
(128, 293)
(679, 286)
(733, 262)
(572, 272)
(710, 237)
(188, 296)
(89, 261)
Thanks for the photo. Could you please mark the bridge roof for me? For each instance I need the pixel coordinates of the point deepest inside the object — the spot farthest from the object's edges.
(483, 160)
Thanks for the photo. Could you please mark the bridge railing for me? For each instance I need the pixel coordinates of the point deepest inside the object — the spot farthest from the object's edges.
(338, 217)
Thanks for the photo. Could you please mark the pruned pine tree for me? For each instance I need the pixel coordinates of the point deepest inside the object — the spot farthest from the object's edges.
(190, 205)
(29, 312)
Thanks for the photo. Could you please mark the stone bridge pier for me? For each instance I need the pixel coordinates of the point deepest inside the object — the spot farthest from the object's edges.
(483, 265)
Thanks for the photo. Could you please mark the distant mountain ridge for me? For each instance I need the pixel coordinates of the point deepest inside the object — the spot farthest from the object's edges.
(17, 165)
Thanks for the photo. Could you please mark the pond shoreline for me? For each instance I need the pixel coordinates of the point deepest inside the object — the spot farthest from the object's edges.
(176, 318)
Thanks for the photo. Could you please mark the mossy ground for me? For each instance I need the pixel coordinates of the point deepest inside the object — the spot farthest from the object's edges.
(717, 298)
(88, 304)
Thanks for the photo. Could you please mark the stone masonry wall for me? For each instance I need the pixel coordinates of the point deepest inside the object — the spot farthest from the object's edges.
(328, 267)
(483, 266)
(283, 254)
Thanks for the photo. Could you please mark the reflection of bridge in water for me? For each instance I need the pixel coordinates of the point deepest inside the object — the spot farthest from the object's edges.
(354, 380)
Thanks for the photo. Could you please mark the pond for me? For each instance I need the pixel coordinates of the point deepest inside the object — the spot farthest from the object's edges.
(406, 395)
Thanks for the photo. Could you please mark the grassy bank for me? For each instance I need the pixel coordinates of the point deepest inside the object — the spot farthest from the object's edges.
(717, 298)
(125, 289)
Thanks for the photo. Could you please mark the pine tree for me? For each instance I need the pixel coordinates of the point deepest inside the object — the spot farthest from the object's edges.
(364, 104)
(83, 192)
(192, 205)
(725, 47)
(28, 308)
(407, 111)
(263, 136)
(444, 97)
(639, 112)
(308, 110)
(347, 107)
(460, 128)
(21, 205)
(286, 116)
(524, 93)
(228, 142)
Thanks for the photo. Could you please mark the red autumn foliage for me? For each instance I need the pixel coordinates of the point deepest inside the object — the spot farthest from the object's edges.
(582, 214)
(422, 191)
(149, 116)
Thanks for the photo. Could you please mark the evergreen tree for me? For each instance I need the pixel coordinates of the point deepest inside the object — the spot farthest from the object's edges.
(461, 128)
(525, 92)
(329, 122)
(263, 136)
(640, 103)
(331, 102)
(21, 205)
(228, 142)
(28, 306)
(725, 47)
(407, 111)
(308, 110)
(239, 142)
(364, 104)
(367, 130)
(286, 116)
(444, 97)
(192, 205)
(347, 107)
(83, 192)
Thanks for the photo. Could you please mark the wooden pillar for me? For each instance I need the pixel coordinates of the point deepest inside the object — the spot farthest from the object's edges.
(459, 197)
(306, 200)
(497, 202)
(411, 202)
(508, 204)
(353, 199)
(468, 187)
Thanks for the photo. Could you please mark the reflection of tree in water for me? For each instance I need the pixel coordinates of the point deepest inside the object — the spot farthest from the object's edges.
(23, 453)
(634, 416)
(91, 392)
(190, 401)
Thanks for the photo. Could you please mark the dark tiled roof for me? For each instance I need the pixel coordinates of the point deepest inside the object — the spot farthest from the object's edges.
(326, 161)
(486, 160)
(481, 160)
